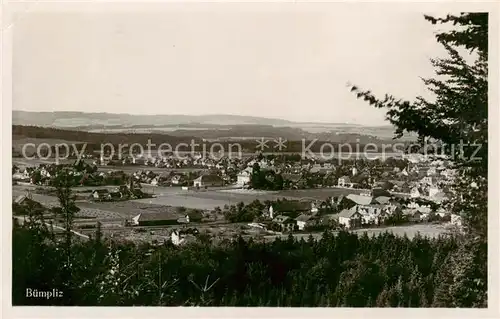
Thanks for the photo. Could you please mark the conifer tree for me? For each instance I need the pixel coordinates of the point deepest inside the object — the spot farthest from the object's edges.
(458, 116)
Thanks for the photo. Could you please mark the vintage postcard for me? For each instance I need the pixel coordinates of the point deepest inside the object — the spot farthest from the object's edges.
(329, 156)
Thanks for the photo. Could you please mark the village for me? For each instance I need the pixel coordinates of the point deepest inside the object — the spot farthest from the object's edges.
(260, 196)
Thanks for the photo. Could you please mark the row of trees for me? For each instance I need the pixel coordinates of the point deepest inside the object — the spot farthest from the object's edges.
(338, 270)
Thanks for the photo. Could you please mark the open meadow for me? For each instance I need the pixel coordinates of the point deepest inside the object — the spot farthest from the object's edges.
(209, 199)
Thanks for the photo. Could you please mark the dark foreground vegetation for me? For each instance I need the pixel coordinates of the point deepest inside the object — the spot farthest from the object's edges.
(342, 270)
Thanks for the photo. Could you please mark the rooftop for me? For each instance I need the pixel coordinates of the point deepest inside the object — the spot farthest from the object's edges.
(360, 199)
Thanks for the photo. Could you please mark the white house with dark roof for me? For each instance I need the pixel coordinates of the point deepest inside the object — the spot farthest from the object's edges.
(208, 180)
(415, 192)
(286, 223)
(100, 194)
(304, 221)
(243, 178)
(350, 218)
(179, 237)
(344, 181)
(413, 215)
(21, 175)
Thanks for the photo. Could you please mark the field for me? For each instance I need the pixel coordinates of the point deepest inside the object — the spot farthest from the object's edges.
(209, 199)
(195, 199)
(125, 209)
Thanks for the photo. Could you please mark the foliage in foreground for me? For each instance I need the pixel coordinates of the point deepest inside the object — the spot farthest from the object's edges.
(341, 270)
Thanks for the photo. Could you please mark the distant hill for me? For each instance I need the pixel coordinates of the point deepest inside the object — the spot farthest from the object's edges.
(80, 119)
(213, 127)
(38, 135)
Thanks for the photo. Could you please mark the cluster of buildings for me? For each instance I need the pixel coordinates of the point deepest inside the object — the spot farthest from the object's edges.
(430, 179)
(188, 160)
(360, 210)
(123, 192)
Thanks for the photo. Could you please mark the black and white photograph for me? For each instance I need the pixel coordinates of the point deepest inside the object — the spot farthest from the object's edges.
(237, 154)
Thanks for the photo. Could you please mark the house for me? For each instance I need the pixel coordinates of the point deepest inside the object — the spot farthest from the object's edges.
(160, 218)
(183, 236)
(154, 181)
(21, 176)
(316, 168)
(428, 180)
(293, 179)
(303, 221)
(286, 223)
(350, 218)
(382, 200)
(372, 213)
(100, 194)
(442, 212)
(314, 208)
(176, 179)
(344, 181)
(360, 199)
(184, 220)
(258, 225)
(290, 208)
(115, 195)
(243, 178)
(208, 180)
(415, 192)
(369, 219)
(327, 218)
(412, 214)
(371, 209)
(44, 172)
(420, 207)
(138, 161)
(195, 216)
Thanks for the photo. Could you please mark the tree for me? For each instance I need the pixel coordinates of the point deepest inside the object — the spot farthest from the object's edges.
(457, 118)
(66, 212)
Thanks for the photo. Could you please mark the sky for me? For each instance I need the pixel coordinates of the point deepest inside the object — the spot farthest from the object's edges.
(290, 62)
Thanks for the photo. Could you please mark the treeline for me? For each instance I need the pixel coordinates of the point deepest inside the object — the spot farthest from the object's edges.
(95, 140)
(344, 270)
